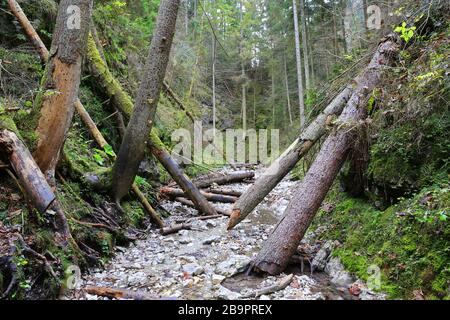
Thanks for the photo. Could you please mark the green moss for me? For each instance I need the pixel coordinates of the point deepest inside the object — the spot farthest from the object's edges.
(409, 241)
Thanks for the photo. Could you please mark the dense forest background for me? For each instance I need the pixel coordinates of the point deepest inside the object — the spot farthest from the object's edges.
(235, 64)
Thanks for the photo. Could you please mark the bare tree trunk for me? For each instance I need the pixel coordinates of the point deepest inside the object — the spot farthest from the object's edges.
(288, 160)
(305, 44)
(214, 85)
(288, 97)
(299, 67)
(61, 82)
(283, 242)
(141, 122)
(244, 80)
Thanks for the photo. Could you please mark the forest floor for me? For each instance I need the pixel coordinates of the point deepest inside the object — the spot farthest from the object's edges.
(208, 262)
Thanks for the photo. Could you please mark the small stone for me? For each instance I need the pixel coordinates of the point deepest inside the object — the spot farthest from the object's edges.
(185, 240)
(217, 279)
(193, 269)
(211, 240)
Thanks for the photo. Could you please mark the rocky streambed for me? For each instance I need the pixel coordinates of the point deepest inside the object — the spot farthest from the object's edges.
(207, 262)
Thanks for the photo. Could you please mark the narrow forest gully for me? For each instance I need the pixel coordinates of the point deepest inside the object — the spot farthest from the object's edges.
(208, 262)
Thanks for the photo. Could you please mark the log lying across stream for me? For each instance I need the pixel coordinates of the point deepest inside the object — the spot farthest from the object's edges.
(178, 193)
(223, 179)
(310, 193)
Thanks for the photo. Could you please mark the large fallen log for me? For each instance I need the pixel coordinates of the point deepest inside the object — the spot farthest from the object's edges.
(223, 179)
(176, 193)
(123, 102)
(190, 204)
(283, 242)
(32, 180)
(287, 161)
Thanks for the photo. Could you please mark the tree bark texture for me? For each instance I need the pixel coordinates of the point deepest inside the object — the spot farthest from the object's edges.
(61, 82)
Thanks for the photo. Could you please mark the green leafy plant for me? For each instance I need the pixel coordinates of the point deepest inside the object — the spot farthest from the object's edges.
(109, 151)
(406, 33)
(98, 157)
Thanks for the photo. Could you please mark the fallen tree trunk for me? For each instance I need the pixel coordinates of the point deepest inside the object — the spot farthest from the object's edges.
(175, 229)
(122, 101)
(182, 180)
(190, 204)
(175, 193)
(223, 179)
(287, 161)
(283, 242)
(223, 191)
(32, 180)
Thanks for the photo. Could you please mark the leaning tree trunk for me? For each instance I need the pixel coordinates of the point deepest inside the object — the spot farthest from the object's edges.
(123, 102)
(32, 181)
(288, 160)
(141, 122)
(29, 30)
(283, 242)
(61, 82)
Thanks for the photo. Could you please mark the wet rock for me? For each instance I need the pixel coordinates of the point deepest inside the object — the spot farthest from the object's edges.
(217, 279)
(137, 279)
(320, 260)
(226, 294)
(193, 269)
(232, 265)
(211, 240)
(339, 276)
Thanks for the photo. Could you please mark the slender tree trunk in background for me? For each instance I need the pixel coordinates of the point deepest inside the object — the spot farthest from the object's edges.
(134, 143)
(244, 81)
(299, 66)
(286, 80)
(214, 84)
(288, 160)
(305, 44)
(335, 36)
(273, 98)
(366, 17)
(254, 105)
(284, 241)
(186, 16)
(61, 82)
